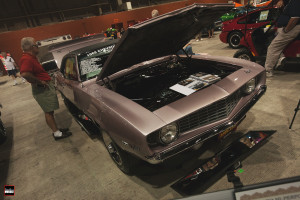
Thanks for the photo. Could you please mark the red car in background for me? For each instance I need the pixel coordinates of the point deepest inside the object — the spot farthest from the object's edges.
(233, 30)
(257, 41)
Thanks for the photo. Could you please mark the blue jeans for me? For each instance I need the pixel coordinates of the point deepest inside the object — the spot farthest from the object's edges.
(188, 50)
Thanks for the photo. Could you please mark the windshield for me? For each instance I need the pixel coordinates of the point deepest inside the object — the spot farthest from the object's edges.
(242, 10)
(91, 62)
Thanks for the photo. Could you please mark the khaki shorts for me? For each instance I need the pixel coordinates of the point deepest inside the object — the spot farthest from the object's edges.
(46, 97)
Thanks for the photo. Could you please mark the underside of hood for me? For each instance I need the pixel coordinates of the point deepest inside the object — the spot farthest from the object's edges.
(161, 36)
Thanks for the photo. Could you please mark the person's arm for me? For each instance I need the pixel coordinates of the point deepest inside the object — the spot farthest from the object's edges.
(26, 68)
(292, 23)
(279, 4)
(32, 79)
(185, 46)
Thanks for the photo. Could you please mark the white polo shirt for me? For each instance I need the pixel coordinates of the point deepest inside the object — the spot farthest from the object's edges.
(8, 62)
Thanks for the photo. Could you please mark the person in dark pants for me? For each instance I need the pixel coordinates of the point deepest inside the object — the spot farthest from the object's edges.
(43, 89)
(211, 29)
(288, 29)
(187, 49)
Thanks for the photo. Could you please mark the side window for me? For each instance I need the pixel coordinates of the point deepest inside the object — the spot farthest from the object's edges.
(69, 69)
(263, 15)
(91, 67)
(269, 15)
(251, 19)
(273, 14)
(90, 63)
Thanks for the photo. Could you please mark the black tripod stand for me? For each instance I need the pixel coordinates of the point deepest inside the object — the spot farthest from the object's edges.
(296, 110)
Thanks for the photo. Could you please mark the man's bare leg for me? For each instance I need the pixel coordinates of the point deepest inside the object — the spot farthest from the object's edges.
(57, 134)
(51, 121)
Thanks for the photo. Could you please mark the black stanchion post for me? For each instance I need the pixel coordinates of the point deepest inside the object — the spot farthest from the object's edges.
(296, 110)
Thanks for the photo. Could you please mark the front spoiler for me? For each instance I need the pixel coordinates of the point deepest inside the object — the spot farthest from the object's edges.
(215, 167)
(159, 157)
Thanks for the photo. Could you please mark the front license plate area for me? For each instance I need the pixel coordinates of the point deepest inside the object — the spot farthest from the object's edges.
(225, 133)
(214, 168)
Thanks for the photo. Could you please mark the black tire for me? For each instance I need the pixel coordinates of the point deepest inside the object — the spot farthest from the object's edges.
(234, 39)
(244, 54)
(124, 161)
(2, 132)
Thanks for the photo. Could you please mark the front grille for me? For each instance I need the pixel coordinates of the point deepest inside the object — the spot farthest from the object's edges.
(209, 114)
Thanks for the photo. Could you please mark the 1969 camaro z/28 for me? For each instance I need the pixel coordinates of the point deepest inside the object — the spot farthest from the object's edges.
(150, 102)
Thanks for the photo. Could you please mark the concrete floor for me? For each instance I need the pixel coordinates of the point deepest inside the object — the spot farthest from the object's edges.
(79, 167)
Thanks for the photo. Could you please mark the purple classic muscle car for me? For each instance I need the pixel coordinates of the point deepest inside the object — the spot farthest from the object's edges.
(151, 103)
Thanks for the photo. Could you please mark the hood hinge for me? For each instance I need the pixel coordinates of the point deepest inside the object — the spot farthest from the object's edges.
(108, 83)
(187, 55)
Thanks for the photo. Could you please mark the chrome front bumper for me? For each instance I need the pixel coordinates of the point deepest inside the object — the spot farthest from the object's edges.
(161, 156)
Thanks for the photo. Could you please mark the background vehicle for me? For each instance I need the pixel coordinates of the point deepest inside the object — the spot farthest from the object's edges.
(235, 12)
(45, 57)
(2, 129)
(62, 45)
(233, 30)
(256, 43)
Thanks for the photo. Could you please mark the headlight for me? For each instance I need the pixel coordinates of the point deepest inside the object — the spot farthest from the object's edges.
(250, 86)
(168, 133)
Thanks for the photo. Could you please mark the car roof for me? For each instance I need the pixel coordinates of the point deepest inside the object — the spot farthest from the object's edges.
(93, 47)
(61, 49)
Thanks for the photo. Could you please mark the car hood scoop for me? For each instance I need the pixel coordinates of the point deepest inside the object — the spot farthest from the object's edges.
(161, 36)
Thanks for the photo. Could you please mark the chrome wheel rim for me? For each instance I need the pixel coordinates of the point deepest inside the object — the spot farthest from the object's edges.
(235, 40)
(112, 149)
(114, 153)
(245, 57)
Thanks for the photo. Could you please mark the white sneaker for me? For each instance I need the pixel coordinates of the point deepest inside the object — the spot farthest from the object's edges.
(197, 40)
(58, 133)
(280, 63)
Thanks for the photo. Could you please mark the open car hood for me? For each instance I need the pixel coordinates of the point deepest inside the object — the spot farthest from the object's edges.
(161, 36)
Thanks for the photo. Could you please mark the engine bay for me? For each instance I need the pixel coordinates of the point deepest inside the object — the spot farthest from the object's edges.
(155, 86)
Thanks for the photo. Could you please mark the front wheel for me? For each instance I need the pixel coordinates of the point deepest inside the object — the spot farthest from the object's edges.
(234, 39)
(122, 159)
(244, 54)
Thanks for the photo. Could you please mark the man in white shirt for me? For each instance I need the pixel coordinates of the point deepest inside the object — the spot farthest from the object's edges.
(10, 66)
